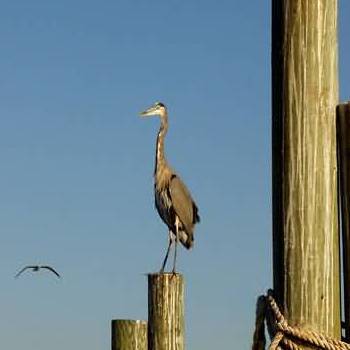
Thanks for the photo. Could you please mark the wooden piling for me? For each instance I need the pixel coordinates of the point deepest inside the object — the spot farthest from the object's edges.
(129, 335)
(343, 137)
(166, 324)
(304, 99)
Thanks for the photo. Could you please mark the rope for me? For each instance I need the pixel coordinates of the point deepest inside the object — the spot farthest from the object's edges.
(285, 336)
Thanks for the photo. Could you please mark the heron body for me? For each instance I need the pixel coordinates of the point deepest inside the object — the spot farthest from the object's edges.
(173, 200)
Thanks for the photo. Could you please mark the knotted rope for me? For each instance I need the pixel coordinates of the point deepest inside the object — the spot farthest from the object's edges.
(284, 335)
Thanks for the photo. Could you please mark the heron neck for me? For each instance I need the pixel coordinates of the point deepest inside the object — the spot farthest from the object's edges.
(160, 156)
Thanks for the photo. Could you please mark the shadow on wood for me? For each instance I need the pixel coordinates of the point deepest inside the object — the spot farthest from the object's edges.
(343, 138)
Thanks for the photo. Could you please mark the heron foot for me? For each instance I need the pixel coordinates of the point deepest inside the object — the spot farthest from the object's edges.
(173, 273)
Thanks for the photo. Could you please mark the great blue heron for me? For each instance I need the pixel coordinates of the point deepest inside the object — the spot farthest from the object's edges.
(172, 198)
(36, 268)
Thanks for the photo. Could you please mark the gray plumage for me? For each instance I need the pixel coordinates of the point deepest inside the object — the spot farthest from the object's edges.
(173, 200)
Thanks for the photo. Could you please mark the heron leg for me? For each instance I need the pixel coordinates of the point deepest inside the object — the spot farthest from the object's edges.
(167, 254)
(176, 243)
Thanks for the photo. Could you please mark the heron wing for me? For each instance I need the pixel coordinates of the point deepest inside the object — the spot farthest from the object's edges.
(182, 202)
(23, 269)
(52, 270)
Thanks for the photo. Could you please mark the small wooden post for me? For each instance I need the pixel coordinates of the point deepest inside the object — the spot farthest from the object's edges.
(343, 137)
(129, 335)
(166, 324)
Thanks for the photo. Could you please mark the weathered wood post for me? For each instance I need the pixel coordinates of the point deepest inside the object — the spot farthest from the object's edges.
(129, 335)
(304, 99)
(166, 323)
(343, 136)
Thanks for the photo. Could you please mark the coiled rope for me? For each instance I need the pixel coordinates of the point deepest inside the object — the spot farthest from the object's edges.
(284, 335)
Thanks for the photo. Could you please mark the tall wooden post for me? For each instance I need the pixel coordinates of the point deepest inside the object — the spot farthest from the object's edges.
(129, 335)
(343, 136)
(166, 323)
(304, 98)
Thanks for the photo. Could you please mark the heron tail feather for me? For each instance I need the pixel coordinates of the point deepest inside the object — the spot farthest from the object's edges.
(186, 239)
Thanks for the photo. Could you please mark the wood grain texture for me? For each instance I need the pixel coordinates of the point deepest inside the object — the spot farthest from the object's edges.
(166, 320)
(129, 335)
(343, 137)
(305, 227)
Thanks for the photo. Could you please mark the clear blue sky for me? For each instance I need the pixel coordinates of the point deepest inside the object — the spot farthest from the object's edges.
(77, 161)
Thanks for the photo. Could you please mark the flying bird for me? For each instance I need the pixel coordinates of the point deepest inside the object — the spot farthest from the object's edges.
(173, 200)
(36, 268)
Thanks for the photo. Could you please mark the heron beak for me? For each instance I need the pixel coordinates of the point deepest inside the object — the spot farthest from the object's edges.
(148, 112)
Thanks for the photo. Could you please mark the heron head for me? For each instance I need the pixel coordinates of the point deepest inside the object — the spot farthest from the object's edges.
(157, 109)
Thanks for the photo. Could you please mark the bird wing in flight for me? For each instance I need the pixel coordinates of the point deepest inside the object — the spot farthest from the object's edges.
(52, 270)
(24, 268)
